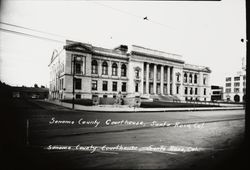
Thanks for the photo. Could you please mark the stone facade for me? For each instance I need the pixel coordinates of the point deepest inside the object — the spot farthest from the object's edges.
(128, 71)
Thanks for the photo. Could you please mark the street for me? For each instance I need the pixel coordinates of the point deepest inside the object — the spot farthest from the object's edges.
(215, 134)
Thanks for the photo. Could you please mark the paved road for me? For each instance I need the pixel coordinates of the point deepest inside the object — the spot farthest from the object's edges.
(214, 134)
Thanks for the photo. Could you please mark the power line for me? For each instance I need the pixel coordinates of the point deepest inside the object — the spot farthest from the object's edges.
(30, 35)
(18, 26)
(137, 16)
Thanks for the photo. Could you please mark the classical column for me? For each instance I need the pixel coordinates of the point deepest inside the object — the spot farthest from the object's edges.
(119, 69)
(109, 68)
(147, 78)
(200, 84)
(142, 80)
(168, 80)
(181, 87)
(155, 77)
(99, 67)
(188, 77)
(173, 81)
(162, 79)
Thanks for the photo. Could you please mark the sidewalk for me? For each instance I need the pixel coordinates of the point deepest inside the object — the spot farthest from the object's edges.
(124, 108)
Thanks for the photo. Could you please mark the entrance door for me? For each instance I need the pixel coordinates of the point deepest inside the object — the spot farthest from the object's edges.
(236, 98)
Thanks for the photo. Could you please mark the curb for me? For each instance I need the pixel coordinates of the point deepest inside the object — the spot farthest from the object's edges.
(143, 110)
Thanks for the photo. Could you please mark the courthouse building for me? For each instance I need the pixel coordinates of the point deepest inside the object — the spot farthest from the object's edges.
(127, 71)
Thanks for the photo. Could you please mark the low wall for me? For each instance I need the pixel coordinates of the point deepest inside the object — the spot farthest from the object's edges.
(132, 102)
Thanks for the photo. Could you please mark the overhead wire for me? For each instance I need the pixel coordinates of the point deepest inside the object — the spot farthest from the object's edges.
(134, 15)
(30, 35)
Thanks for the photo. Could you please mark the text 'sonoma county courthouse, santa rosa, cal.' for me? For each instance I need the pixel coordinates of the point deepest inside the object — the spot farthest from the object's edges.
(129, 71)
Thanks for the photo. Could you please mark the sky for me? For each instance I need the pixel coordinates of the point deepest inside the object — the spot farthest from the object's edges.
(205, 33)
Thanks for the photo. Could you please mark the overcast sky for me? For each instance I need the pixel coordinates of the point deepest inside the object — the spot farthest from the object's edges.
(204, 33)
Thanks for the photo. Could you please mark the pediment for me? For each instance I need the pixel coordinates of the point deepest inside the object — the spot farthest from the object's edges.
(206, 69)
(79, 47)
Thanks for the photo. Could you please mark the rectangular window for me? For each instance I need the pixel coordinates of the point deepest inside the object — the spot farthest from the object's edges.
(158, 75)
(228, 79)
(78, 69)
(165, 76)
(228, 84)
(236, 78)
(186, 90)
(105, 68)
(62, 83)
(105, 85)
(205, 91)
(204, 80)
(195, 79)
(151, 74)
(124, 85)
(216, 92)
(78, 84)
(196, 91)
(94, 84)
(114, 87)
(178, 78)
(191, 90)
(244, 90)
(236, 90)
(78, 96)
(114, 71)
(244, 77)
(123, 71)
(94, 69)
(136, 87)
(236, 84)
(177, 89)
(137, 73)
(228, 90)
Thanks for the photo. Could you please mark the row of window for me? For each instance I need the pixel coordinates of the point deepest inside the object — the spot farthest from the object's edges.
(235, 78)
(195, 91)
(236, 90)
(237, 84)
(190, 78)
(94, 86)
(94, 68)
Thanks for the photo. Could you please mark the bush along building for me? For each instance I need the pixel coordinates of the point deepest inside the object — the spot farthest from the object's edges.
(125, 71)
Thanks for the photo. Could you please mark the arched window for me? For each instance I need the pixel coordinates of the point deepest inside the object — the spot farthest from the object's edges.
(105, 68)
(114, 69)
(204, 80)
(195, 79)
(123, 70)
(190, 78)
(185, 78)
(94, 68)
